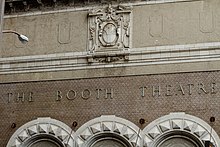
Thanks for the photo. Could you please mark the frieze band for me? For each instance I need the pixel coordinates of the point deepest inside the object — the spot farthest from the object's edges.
(109, 93)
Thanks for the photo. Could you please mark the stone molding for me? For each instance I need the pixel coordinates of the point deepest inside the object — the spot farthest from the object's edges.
(112, 126)
(116, 127)
(45, 126)
(157, 55)
(108, 57)
(186, 124)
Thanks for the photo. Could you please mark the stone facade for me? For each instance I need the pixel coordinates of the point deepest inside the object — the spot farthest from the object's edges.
(108, 66)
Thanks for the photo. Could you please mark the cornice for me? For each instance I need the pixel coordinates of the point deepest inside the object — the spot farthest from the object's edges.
(157, 55)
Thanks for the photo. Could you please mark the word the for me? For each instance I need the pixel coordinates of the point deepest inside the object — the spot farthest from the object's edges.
(20, 97)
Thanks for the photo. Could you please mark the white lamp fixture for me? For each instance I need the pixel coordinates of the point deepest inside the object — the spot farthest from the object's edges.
(24, 39)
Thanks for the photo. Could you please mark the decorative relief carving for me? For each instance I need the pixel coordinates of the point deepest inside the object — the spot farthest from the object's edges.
(109, 29)
(206, 22)
(107, 58)
(108, 126)
(64, 33)
(165, 128)
(50, 129)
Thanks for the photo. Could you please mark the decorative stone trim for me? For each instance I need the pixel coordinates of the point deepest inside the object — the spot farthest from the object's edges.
(157, 55)
(109, 29)
(108, 126)
(179, 123)
(119, 129)
(47, 127)
(108, 57)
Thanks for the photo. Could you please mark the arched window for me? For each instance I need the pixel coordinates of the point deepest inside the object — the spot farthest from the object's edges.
(179, 129)
(108, 131)
(42, 132)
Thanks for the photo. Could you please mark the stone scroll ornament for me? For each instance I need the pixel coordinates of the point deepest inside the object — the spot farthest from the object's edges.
(109, 29)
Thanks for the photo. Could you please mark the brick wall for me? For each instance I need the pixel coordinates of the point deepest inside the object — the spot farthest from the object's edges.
(84, 99)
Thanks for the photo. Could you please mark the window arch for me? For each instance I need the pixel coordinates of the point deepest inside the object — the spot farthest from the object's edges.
(42, 131)
(108, 130)
(179, 127)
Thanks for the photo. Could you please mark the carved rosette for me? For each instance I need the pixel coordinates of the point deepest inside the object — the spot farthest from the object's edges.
(109, 29)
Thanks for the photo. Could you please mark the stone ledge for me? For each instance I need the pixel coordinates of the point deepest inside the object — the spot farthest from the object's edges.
(129, 58)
